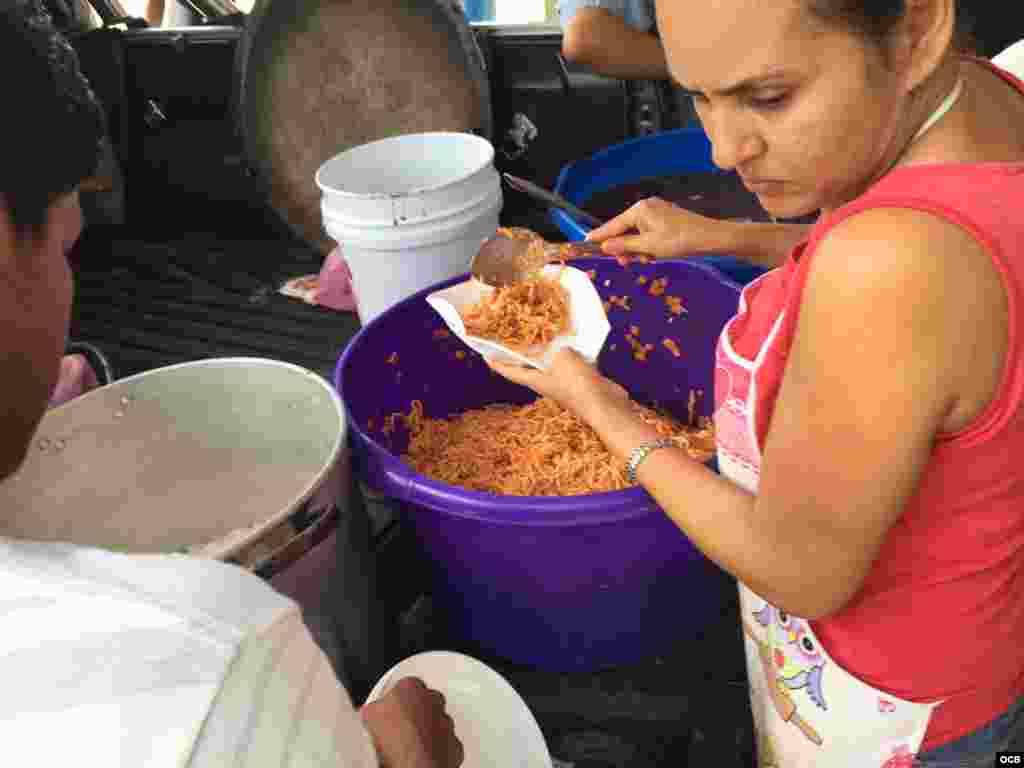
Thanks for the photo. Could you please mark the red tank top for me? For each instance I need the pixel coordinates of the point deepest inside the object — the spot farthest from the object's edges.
(941, 614)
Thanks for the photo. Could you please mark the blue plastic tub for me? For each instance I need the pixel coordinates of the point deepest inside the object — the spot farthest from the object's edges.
(672, 153)
(572, 583)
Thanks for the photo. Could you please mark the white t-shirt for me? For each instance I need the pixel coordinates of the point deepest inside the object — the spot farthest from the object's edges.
(1012, 59)
(161, 661)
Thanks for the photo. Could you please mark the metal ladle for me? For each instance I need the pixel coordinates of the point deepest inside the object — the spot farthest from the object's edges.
(503, 261)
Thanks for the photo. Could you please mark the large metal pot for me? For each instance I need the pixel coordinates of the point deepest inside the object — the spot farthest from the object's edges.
(317, 78)
(241, 459)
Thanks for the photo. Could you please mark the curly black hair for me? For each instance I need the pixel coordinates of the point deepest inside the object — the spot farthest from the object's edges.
(51, 133)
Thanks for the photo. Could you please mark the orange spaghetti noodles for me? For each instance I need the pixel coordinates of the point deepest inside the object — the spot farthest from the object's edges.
(521, 316)
(539, 449)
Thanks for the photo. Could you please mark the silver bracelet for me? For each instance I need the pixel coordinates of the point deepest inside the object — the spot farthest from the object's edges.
(641, 452)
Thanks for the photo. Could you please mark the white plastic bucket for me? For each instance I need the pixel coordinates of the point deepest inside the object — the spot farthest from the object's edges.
(409, 212)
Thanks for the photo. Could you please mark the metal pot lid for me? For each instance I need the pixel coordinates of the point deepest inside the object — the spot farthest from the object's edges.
(319, 77)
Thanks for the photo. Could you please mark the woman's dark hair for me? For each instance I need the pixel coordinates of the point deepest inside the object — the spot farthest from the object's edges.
(875, 19)
(51, 132)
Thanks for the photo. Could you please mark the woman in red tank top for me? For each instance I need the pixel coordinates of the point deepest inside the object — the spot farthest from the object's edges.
(871, 508)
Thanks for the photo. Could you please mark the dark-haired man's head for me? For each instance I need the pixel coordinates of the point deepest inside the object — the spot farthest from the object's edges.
(50, 136)
(49, 142)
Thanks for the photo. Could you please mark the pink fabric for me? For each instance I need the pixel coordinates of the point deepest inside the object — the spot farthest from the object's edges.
(334, 287)
(76, 378)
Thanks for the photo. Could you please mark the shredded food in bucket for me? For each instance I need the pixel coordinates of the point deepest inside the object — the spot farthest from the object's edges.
(521, 316)
(539, 449)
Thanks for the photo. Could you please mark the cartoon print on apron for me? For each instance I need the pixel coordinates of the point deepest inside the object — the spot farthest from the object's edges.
(808, 711)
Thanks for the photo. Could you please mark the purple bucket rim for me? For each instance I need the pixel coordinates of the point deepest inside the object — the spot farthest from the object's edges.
(589, 509)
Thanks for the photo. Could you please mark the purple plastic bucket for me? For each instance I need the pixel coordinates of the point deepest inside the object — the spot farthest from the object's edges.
(569, 583)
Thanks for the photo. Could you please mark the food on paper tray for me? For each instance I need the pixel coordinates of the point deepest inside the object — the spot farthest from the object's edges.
(521, 316)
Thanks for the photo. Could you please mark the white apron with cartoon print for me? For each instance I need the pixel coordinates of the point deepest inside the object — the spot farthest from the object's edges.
(808, 711)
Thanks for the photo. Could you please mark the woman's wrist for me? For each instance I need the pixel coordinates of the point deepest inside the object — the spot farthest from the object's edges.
(731, 238)
(616, 424)
(595, 407)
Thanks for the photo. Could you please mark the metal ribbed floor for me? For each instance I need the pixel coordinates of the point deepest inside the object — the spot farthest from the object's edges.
(154, 304)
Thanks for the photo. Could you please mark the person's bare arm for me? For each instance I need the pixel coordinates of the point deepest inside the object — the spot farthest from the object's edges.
(155, 12)
(605, 43)
(766, 245)
(881, 355)
(873, 371)
(667, 231)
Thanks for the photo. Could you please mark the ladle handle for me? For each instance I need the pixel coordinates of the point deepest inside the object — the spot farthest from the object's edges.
(550, 198)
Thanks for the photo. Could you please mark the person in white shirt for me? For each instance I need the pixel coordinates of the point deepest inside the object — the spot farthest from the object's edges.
(117, 660)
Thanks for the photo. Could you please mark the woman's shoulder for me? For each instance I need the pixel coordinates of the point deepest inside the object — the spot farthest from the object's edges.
(893, 231)
(934, 213)
(972, 195)
(928, 255)
(927, 278)
(923, 175)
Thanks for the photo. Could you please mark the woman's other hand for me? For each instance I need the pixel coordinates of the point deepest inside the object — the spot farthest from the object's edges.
(411, 729)
(661, 229)
(571, 381)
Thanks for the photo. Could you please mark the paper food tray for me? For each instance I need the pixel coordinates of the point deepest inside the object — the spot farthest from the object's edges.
(588, 323)
(494, 724)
